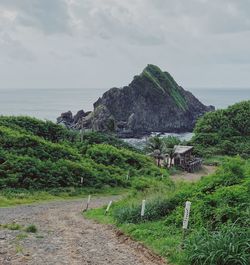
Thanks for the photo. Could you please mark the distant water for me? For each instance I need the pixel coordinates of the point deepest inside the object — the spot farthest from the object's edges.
(49, 103)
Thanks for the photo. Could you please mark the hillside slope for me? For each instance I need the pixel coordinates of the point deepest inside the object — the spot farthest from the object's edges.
(36, 154)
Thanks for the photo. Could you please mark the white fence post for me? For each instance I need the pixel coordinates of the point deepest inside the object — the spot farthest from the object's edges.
(143, 206)
(185, 220)
(88, 202)
(186, 215)
(109, 205)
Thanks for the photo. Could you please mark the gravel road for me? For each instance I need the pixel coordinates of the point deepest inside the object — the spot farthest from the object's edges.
(65, 237)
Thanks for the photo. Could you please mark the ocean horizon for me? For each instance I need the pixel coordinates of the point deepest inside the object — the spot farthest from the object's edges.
(48, 104)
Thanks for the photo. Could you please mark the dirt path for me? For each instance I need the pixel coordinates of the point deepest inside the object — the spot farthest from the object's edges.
(65, 237)
(206, 170)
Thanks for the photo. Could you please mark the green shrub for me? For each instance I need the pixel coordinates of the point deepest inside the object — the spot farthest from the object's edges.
(228, 246)
(39, 155)
(216, 199)
(93, 138)
(47, 130)
(225, 132)
(13, 226)
(31, 229)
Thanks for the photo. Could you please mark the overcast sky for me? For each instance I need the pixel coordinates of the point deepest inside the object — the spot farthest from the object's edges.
(104, 43)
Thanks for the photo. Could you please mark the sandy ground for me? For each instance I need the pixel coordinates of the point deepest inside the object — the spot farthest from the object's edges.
(65, 237)
(185, 176)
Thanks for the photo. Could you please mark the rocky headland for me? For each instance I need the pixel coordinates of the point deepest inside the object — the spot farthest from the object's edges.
(152, 102)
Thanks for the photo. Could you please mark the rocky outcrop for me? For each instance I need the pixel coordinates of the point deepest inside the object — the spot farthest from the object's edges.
(152, 102)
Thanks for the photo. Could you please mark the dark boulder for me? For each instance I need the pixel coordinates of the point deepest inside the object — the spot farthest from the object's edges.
(66, 118)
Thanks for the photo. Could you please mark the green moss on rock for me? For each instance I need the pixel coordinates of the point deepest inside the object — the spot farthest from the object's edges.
(165, 84)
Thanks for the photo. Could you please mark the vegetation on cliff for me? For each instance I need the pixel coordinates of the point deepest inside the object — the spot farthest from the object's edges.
(165, 84)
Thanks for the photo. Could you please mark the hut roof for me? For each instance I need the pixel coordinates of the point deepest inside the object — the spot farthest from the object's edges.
(182, 149)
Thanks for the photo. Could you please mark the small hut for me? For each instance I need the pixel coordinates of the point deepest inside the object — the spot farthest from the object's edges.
(183, 158)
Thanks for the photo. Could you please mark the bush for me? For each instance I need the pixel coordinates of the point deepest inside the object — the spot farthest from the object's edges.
(217, 199)
(228, 246)
(13, 226)
(47, 130)
(31, 229)
(38, 155)
(225, 132)
(93, 138)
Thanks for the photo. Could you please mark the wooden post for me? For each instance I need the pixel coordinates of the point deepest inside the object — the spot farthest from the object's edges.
(109, 205)
(81, 181)
(88, 202)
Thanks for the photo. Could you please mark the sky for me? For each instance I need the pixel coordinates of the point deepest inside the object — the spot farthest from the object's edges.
(104, 43)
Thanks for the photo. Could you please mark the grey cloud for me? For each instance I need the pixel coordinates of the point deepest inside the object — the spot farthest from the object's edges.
(14, 50)
(96, 36)
(50, 16)
(87, 52)
(110, 20)
(220, 16)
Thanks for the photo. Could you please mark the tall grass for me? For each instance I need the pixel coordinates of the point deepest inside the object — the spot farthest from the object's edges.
(228, 246)
(155, 209)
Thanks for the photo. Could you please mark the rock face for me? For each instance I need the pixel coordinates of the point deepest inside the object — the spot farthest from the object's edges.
(152, 102)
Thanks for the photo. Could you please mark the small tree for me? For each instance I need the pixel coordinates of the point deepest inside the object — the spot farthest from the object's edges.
(156, 148)
(159, 148)
(169, 143)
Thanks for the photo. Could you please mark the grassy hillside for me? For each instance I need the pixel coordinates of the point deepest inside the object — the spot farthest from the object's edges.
(224, 132)
(41, 155)
(218, 231)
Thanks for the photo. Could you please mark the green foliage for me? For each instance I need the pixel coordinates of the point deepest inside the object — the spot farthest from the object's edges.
(24, 144)
(47, 130)
(171, 141)
(31, 229)
(13, 196)
(155, 210)
(216, 200)
(225, 132)
(37, 157)
(164, 83)
(12, 226)
(228, 246)
(91, 138)
(163, 144)
(155, 143)
(219, 217)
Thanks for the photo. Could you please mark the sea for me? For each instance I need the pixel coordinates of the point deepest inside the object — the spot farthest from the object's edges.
(48, 104)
